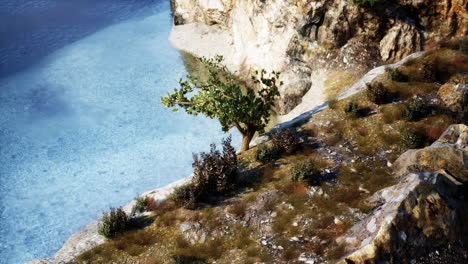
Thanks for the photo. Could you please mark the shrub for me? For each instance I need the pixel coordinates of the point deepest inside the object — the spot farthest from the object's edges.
(305, 171)
(181, 194)
(266, 153)
(238, 209)
(113, 223)
(214, 173)
(377, 93)
(411, 139)
(395, 75)
(352, 110)
(282, 141)
(366, 3)
(415, 110)
(140, 205)
(333, 103)
(285, 141)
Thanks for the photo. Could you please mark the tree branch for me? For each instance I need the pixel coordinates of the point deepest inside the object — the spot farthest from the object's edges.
(239, 127)
(184, 103)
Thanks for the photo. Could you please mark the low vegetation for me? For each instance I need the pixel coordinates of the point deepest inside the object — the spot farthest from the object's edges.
(305, 171)
(113, 223)
(302, 189)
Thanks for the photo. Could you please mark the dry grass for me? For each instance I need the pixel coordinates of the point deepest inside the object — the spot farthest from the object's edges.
(391, 113)
(238, 209)
(337, 81)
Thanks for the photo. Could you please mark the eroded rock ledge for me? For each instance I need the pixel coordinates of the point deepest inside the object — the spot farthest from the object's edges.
(425, 209)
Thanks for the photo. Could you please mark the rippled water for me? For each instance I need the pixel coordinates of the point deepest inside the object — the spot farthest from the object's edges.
(81, 126)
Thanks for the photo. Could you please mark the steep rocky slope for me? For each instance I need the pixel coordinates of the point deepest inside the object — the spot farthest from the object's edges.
(303, 39)
(387, 188)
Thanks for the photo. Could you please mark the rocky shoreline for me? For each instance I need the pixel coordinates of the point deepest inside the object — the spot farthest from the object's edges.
(222, 28)
(88, 237)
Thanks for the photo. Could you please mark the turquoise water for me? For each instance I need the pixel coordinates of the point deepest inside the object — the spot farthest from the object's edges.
(81, 126)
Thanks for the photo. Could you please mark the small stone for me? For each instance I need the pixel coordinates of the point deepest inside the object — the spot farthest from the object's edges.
(337, 221)
(362, 189)
(295, 224)
(184, 228)
(302, 257)
(294, 239)
(274, 214)
(403, 236)
(389, 164)
(264, 242)
(280, 248)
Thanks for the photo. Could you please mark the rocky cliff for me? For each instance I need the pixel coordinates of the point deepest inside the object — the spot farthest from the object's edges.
(308, 39)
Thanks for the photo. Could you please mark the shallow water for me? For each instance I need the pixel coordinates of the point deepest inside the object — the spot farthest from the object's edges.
(81, 126)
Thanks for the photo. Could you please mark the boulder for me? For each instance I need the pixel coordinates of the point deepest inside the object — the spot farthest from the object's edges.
(422, 211)
(400, 41)
(454, 95)
(448, 154)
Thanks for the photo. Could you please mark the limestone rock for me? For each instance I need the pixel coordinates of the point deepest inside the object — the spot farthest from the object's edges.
(422, 211)
(454, 95)
(444, 17)
(400, 41)
(451, 156)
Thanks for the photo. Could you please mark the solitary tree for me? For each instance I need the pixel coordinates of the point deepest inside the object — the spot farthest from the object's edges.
(222, 97)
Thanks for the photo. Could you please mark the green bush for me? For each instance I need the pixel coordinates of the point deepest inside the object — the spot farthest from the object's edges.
(367, 3)
(415, 110)
(140, 205)
(181, 194)
(377, 93)
(411, 139)
(351, 110)
(396, 75)
(305, 171)
(113, 223)
(266, 153)
(285, 141)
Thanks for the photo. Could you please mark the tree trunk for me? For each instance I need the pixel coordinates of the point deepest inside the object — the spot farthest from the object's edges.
(246, 138)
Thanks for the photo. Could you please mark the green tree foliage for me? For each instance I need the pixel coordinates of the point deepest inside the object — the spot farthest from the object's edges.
(222, 97)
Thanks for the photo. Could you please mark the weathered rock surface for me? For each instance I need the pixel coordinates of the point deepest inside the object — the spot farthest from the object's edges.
(423, 210)
(299, 37)
(447, 154)
(454, 93)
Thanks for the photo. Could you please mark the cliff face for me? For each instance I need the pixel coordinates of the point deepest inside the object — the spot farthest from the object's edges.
(300, 37)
